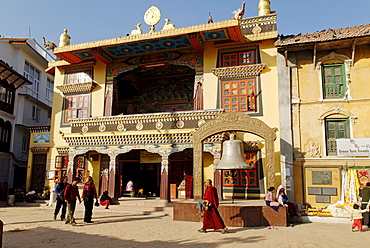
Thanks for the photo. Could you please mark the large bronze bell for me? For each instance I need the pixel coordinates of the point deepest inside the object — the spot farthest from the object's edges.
(233, 155)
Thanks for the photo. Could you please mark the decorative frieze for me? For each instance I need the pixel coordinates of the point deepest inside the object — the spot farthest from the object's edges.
(79, 88)
(141, 122)
(238, 72)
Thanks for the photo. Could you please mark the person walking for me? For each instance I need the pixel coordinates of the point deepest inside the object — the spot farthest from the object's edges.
(356, 216)
(211, 216)
(60, 203)
(70, 195)
(88, 195)
(365, 198)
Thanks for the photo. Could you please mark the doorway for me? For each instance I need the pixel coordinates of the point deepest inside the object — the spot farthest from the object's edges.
(145, 176)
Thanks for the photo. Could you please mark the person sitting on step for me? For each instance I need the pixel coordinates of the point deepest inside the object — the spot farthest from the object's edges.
(105, 200)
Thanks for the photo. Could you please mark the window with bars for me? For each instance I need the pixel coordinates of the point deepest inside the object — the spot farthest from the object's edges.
(334, 81)
(238, 58)
(242, 177)
(32, 74)
(76, 107)
(239, 95)
(79, 77)
(335, 129)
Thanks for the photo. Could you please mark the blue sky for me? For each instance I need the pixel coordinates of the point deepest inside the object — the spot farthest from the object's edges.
(92, 20)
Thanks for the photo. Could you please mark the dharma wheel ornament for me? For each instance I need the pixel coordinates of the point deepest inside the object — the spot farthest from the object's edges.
(233, 155)
(151, 17)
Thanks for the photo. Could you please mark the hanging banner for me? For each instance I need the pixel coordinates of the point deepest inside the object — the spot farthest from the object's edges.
(353, 147)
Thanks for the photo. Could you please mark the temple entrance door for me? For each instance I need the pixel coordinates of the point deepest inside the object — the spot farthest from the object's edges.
(38, 172)
(181, 168)
(145, 176)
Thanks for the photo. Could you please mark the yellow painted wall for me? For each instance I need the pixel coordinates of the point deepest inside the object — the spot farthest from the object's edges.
(208, 166)
(336, 183)
(312, 108)
(210, 86)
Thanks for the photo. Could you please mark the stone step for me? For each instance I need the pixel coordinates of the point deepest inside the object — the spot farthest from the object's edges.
(144, 202)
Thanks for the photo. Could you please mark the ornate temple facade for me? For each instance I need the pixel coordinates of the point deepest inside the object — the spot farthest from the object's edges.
(155, 108)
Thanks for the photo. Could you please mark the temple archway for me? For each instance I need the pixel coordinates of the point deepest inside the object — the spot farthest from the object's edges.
(232, 121)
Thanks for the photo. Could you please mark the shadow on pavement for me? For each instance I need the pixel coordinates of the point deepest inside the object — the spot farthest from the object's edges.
(49, 237)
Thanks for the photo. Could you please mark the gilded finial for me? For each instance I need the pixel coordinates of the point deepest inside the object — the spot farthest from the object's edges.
(264, 7)
(65, 39)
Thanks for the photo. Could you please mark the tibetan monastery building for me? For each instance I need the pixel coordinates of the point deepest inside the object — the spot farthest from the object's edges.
(155, 108)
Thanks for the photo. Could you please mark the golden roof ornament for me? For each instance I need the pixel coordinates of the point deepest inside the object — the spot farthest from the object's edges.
(264, 7)
(137, 30)
(151, 17)
(65, 39)
(168, 25)
(239, 13)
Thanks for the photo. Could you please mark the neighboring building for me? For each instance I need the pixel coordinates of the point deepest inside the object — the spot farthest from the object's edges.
(152, 107)
(10, 82)
(31, 102)
(327, 75)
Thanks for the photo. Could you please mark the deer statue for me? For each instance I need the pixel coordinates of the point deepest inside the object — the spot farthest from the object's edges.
(168, 25)
(239, 13)
(137, 30)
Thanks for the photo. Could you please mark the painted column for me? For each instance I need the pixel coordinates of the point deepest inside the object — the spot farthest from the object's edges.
(198, 169)
(112, 191)
(164, 190)
(217, 174)
(71, 157)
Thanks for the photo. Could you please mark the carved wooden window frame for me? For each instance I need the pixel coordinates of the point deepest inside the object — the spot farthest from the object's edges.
(76, 106)
(239, 95)
(238, 58)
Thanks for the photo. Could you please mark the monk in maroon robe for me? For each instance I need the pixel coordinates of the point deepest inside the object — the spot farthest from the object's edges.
(211, 216)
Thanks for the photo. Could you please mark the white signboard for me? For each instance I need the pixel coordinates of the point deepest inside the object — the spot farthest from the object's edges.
(353, 147)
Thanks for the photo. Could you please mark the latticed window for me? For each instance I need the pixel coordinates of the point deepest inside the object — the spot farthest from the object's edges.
(61, 165)
(239, 95)
(238, 58)
(79, 77)
(335, 129)
(76, 107)
(242, 177)
(334, 81)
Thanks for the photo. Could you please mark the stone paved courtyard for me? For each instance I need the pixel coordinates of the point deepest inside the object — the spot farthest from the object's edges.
(33, 226)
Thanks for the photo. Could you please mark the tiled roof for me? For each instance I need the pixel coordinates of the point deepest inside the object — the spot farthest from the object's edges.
(15, 39)
(324, 35)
